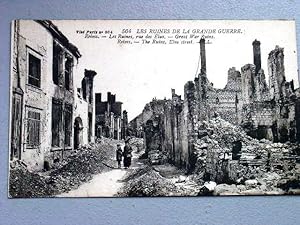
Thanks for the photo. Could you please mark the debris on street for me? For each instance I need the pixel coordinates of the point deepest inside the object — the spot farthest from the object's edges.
(69, 174)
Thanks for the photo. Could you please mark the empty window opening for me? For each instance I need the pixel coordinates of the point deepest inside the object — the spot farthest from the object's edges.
(57, 63)
(34, 71)
(68, 71)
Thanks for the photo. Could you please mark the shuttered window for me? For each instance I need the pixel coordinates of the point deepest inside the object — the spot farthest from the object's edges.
(68, 124)
(56, 122)
(33, 129)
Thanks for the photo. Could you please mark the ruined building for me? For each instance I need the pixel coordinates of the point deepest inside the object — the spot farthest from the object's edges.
(44, 99)
(136, 125)
(272, 111)
(173, 127)
(84, 120)
(111, 122)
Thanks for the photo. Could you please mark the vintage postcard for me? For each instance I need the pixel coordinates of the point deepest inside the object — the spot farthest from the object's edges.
(121, 108)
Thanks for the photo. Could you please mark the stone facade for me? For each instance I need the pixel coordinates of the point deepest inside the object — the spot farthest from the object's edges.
(44, 97)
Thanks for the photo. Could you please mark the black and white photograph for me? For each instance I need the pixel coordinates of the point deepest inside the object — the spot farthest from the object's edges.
(153, 108)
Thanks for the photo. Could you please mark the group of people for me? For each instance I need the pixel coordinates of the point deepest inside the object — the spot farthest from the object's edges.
(126, 154)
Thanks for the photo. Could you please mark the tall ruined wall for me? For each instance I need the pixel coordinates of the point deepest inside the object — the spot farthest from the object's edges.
(174, 127)
(223, 102)
(172, 139)
(276, 73)
(285, 98)
(169, 128)
(234, 80)
(190, 126)
(82, 113)
(85, 107)
(248, 91)
(156, 106)
(254, 86)
(269, 111)
(202, 86)
(285, 120)
(153, 136)
(261, 87)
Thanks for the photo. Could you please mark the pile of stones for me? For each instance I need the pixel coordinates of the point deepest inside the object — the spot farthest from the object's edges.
(64, 176)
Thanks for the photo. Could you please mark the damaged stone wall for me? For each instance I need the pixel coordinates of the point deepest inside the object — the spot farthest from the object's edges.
(258, 119)
(285, 98)
(276, 74)
(177, 127)
(270, 112)
(34, 98)
(170, 129)
(156, 106)
(84, 106)
(223, 102)
(32, 74)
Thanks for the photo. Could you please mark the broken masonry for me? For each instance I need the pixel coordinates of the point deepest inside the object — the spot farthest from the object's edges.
(173, 128)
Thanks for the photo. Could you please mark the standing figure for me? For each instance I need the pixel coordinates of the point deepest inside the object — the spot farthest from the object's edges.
(127, 154)
(119, 154)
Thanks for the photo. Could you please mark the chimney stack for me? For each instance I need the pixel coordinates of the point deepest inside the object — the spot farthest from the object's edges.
(203, 56)
(256, 55)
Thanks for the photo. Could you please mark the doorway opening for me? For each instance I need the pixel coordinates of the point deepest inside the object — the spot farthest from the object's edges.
(77, 132)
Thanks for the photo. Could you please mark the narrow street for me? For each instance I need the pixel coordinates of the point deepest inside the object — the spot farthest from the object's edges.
(105, 184)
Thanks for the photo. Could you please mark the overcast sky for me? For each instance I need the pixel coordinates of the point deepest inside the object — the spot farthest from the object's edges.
(136, 73)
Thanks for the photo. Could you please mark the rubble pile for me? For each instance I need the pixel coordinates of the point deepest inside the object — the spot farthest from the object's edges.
(222, 133)
(157, 157)
(260, 183)
(25, 184)
(185, 186)
(106, 141)
(67, 175)
(80, 167)
(214, 145)
(271, 166)
(137, 144)
(265, 185)
(161, 180)
(145, 181)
